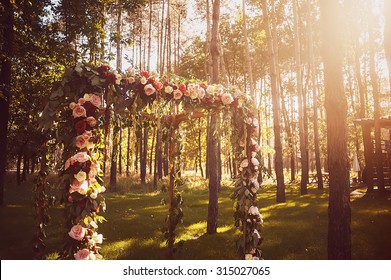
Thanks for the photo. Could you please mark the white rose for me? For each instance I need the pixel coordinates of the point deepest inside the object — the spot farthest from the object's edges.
(98, 238)
(143, 80)
(248, 257)
(253, 211)
(254, 161)
(81, 176)
(210, 89)
(193, 94)
(168, 89)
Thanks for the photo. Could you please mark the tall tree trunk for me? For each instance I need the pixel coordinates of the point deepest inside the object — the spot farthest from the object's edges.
(152, 149)
(128, 149)
(118, 39)
(377, 111)
(315, 101)
(25, 166)
(143, 159)
(169, 65)
(208, 60)
(165, 161)
(149, 36)
(163, 40)
(339, 233)
(120, 149)
(199, 155)
(299, 84)
(247, 53)
(214, 182)
(7, 24)
(276, 107)
(387, 36)
(19, 167)
(114, 156)
(290, 136)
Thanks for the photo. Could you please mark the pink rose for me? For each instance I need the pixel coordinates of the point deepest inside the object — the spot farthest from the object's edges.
(81, 157)
(69, 162)
(87, 134)
(201, 93)
(81, 141)
(83, 254)
(244, 163)
(149, 89)
(177, 94)
(158, 85)
(227, 98)
(77, 232)
(72, 105)
(79, 111)
(95, 100)
(80, 187)
(81, 101)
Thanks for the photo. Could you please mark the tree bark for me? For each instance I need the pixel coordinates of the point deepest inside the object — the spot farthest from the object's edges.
(143, 154)
(247, 53)
(387, 36)
(214, 173)
(315, 101)
(152, 150)
(118, 39)
(276, 108)
(199, 155)
(339, 232)
(149, 36)
(128, 149)
(120, 149)
(377, 111)
(7, 23)
(299, 84)
(114, 157)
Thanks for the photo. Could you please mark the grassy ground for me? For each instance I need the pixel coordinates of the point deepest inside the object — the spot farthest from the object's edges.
(293, 230)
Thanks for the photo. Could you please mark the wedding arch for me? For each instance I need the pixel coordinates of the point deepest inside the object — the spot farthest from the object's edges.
(77, 112)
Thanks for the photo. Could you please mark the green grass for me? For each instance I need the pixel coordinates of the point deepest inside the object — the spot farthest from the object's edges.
(296, 229)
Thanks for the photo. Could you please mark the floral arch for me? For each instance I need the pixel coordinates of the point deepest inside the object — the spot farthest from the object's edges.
(78, 110)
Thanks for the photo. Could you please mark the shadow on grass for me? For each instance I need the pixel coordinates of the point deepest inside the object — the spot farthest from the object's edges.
(296, 229)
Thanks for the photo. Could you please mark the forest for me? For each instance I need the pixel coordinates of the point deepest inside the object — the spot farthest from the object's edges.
(213, 129)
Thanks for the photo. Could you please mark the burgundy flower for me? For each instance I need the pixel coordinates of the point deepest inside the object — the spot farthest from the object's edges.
(80, 126)
(90, 108)
(102, 70)
(111, 78)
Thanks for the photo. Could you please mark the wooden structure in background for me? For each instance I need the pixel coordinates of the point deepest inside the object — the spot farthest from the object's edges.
(371, 173)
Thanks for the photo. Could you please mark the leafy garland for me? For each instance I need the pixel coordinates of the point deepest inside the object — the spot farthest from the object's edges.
(75, 110)
(247, 215)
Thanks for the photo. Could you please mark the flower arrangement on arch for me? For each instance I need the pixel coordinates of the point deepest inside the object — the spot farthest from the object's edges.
(84, 192)
(149, 86)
